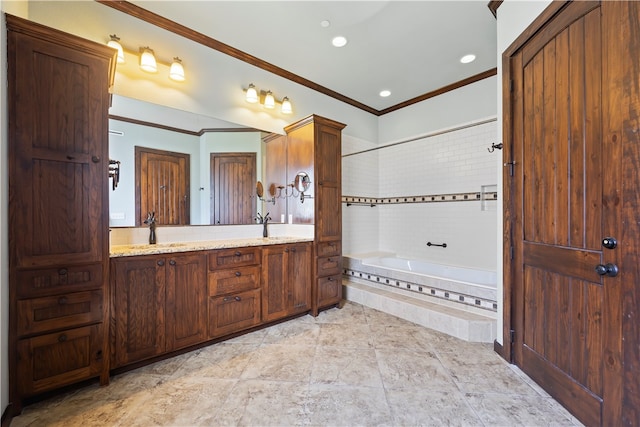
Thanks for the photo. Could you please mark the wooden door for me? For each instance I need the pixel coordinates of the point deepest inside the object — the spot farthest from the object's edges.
(139, 305)
(565, 119)
(186, 300)
(233, 188)
(162, 186)
(328, 175)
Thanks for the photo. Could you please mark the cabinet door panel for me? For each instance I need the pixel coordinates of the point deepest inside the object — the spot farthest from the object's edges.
(139, 309)
(329, 213)
(232, 313)
(50, 361)
(45, 314)
(275, 299)
(329, 290)
(299, 269)
(186, 301)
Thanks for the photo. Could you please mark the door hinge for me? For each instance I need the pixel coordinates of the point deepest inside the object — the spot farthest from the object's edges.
(512, 336)
(511, 165)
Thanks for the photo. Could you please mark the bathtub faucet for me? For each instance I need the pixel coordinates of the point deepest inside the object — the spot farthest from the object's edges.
(444, 245)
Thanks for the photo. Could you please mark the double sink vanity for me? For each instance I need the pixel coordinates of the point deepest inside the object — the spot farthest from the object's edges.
(175, 295)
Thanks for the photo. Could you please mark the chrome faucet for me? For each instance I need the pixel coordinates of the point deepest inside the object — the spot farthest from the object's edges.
(151, 220)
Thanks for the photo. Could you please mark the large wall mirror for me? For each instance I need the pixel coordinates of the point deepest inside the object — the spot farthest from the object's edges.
(202, 171)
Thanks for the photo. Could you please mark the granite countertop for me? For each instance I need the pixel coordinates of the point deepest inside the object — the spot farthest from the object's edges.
(162, 248)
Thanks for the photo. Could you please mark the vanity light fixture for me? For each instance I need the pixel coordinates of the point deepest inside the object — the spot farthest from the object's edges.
(176, 72)
(148, 60)
(286, 106)
(267, 99)
(115, 43)
(252, 94)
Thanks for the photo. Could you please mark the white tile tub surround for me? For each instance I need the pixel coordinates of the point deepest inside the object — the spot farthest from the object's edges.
(179, 234)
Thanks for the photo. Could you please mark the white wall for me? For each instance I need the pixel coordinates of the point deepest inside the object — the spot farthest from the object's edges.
(513, 18)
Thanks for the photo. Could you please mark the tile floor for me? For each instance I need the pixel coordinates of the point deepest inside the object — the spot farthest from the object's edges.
(348, 367)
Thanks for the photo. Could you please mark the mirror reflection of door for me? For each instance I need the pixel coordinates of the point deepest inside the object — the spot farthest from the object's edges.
(233, 183)
(162, 179)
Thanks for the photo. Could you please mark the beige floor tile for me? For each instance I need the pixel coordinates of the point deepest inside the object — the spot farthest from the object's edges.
(411, 369)
(345, 335)
(280, 363)
(346, 366)
(431, 408)
(516, 410)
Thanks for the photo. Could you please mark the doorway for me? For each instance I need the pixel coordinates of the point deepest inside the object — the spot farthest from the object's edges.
(162, 186)
(571, 232)
(233, 183)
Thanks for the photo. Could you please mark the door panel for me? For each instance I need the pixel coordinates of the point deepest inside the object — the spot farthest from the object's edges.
(233, 183)
(162, 179)
(560, 300)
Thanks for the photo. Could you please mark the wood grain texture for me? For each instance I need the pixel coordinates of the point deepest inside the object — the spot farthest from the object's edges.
(233, 188)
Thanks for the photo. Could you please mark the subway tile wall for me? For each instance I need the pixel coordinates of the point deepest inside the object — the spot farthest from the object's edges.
(455, 161)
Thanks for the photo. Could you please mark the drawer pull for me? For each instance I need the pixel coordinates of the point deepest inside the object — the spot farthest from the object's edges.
(161, 263)
(329, 260)
(172, 262)
(330, 279)
(238, 274)
(238, 253)
(286, 250)
(62, 271)
(293, 249)
(62, 300)
(62, 338)
(227, 299)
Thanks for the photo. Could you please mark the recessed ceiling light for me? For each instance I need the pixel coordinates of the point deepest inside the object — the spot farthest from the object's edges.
(468, 58)
(339, 41)
(325, 24)
(385, 93)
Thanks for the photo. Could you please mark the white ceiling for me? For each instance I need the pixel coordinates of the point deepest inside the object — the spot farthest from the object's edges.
(408, 47)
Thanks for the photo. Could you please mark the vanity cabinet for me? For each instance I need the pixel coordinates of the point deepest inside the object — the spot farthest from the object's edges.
(234, 290)
(286, 280)
(58, 100)
(159, 305)
(315, 143)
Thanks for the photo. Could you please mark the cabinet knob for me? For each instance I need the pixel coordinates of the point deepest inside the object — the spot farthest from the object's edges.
(238, 274)
(286, 250)
(172, 262)
(160, 263)
(330, 279)
(62, 271)
(62, 338)
(95, 159)
(238, 299)
(62, 300)
(238, 253)
(293, 249)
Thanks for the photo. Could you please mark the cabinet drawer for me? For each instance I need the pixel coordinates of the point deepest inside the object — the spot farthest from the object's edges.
(233, 280)
(330, 265)
(329, 248)
(48, 281)
(45, 314)
(229, 258)
(50, 361)
(233, 313)
(329, 290)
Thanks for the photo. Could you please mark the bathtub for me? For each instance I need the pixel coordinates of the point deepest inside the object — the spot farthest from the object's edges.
(473, 288)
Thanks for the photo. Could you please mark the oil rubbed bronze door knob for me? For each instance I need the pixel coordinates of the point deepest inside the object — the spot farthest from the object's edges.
(608, 269)
(609, 242)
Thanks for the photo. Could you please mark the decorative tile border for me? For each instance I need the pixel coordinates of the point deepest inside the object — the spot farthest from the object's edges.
(424, 290)
(431, 198)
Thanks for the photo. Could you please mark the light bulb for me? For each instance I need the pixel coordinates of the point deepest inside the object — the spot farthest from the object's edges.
(252, 94)
(176, 72)
(286, 106)
(115, 43)
(269, 101)
(148, 60)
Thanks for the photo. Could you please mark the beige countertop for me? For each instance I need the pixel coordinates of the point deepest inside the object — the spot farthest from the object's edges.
(162, 248)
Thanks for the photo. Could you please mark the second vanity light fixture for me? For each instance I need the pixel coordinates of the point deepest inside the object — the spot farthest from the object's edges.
(148, 60)
(267, 99)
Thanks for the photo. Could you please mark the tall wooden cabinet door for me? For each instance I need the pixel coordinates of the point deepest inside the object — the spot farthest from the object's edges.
(186, 300)
(299, 271)
(275, 296)
(139, 308)
(328, 182)
(58, 153)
